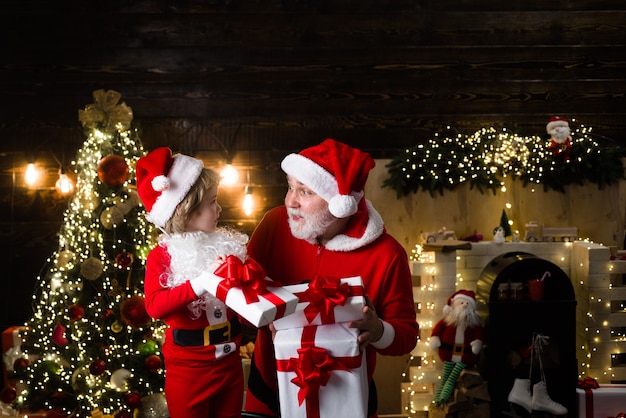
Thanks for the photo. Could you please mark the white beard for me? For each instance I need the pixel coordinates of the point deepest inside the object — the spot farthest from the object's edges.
(312, 226)
(462, 316)
(560, 134)
(193, 253)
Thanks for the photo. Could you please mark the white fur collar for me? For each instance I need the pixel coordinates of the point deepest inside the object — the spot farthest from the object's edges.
(374, 229)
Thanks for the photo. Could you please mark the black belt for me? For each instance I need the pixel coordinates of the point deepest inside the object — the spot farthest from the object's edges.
(457, 348)
(211, 335)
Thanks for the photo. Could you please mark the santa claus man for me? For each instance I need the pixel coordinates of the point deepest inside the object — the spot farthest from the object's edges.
(458, 337)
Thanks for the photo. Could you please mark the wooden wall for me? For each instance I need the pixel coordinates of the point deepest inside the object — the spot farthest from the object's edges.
(254, 80)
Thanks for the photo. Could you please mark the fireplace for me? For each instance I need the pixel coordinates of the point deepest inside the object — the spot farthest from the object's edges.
(512, 320)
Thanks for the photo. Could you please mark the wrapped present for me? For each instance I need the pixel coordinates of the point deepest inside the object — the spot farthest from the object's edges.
(245, 288)
(594, 400)
(11, 350)
(325, 300)
(321, 372)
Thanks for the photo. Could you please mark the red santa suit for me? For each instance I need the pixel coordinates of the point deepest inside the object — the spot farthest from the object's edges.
(203, 372)
(456, 342)
(364, 249)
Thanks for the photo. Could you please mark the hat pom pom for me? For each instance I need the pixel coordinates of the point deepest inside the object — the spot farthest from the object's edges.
(342, 206)
(160, 183)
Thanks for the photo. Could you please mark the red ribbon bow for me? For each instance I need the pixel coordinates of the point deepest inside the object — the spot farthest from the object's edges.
(248, 276)
(323, 294)
(313, 369)
(588, 383)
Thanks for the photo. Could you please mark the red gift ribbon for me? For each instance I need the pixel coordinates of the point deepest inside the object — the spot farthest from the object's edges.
(313, 368)
(588, 383)
(324, 294)
(250, 278)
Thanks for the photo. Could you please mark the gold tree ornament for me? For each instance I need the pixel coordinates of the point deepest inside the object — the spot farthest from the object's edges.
(91, 268)
(105, 114)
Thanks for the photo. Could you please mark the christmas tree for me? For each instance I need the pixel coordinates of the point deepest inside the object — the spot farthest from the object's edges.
(90, 348)
(504, 223)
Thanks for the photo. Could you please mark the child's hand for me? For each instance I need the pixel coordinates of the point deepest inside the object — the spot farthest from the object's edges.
(219, 260)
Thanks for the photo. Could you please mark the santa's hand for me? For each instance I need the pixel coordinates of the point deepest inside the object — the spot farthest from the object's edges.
(370, 328)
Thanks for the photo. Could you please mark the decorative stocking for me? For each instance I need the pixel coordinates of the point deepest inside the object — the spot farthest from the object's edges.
(450, 382)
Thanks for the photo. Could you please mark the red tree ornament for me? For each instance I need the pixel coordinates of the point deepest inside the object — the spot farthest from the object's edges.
(8, 395)
(123, 414)
(133, 400)
(75, 312)
(124, 259)
(113, 170)
(133, 312)
(97, 367)
(58, 335)
(20, 364)
(153, 363)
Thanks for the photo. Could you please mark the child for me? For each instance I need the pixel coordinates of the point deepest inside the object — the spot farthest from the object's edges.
(203, 372)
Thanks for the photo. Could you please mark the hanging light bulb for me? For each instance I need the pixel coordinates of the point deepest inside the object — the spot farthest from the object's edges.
(64, 184)
(229, 175)
(32, 174)
(248, 201)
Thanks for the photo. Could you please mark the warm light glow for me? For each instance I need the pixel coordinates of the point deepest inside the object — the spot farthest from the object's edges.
(32, 174)
(248, 201)
(229, 175)
(64, 184)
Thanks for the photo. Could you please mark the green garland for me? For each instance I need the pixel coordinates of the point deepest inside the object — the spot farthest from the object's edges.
(485, 158)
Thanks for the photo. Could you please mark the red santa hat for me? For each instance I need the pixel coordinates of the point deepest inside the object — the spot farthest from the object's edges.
(467, 295)
(333, 170)
(556, 121)
(163, 181)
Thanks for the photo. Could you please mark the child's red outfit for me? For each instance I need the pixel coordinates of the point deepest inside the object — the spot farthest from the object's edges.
(203, 371)
(204, 376)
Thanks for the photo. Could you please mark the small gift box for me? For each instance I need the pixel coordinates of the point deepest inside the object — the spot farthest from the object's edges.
(325, 300)
(11, 350)
(604, 400)
(245, 288)
(321, 372)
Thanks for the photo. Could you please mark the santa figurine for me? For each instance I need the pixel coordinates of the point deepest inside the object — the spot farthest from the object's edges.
(458, 338)
(560, 138)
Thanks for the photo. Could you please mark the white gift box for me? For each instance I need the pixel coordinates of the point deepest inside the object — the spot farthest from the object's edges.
(258, 301)
(606, 401)
(336, 352)
(348, 291)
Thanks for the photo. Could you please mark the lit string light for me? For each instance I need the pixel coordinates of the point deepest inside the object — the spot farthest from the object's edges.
(484, 158)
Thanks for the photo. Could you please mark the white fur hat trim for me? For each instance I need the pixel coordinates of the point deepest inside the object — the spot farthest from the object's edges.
(183, 174)
(323, 183)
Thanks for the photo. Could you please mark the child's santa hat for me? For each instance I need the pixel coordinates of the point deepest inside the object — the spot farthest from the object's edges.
(467, 295)
(333, 170)
(556, 121)
(163, 181)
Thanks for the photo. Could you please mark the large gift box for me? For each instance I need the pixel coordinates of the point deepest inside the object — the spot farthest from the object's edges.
(246, 289)
(607, 400)
(325, 300)
(321, 373)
